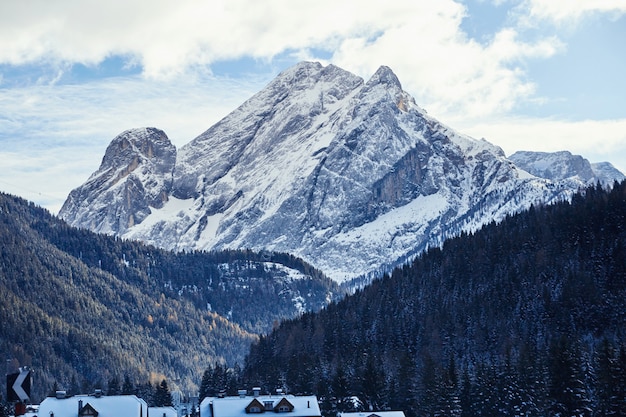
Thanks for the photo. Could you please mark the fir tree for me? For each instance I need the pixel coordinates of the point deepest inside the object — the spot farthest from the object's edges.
(567, 389)
(114, 386)
(162, 396)
(128, 388)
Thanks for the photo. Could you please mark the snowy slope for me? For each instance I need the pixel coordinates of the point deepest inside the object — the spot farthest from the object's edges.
(350, 175)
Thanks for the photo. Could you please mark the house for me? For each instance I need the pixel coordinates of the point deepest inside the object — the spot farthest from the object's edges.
(162, 412)
(267, 405)
(374, 414)
(93, 405)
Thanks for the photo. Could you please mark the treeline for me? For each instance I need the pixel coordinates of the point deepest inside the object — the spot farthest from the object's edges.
(526, 317)
(233, 283)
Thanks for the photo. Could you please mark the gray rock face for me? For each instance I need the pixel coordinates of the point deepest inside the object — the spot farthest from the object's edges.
(555, 165)
(136, 173)
(607, 173)
(350, 175)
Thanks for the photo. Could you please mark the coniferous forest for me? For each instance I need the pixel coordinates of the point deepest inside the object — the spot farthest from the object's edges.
(81, 309)
(522, 318)
(525, 317)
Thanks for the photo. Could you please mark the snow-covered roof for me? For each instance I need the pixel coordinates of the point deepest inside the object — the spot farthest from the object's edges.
(106, 406)
(162, 412)
(303, 406)
(374, 414)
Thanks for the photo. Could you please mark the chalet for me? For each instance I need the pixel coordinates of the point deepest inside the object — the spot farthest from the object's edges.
(94, 405)
(274, 405)
(374, 414)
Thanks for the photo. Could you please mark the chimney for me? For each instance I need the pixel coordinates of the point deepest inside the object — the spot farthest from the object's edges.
(256, 391)
(242, 393)
(98, 393)
(60, 394)
(80, 406)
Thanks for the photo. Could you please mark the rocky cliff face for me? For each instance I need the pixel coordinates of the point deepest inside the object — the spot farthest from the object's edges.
(136, 174)
(563, 165)
(350, 175)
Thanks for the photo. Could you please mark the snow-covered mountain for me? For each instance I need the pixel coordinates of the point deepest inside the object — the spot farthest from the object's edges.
(350, 175)
(557, 166)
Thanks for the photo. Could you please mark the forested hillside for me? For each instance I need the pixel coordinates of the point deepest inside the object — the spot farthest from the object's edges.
(81, 309)
(526, 317)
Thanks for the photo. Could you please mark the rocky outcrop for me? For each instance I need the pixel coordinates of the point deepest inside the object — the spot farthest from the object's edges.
(136, 176)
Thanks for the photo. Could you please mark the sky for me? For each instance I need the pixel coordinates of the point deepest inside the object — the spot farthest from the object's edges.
(540, 75)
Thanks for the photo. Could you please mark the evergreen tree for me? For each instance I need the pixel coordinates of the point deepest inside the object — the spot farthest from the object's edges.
(113, 387)
(373, 393)
(448, 398)
(567, 389)
(205, 384)
(146, 392)
(341, 391)
(162, 396)
(427, 393)
(128, 388)
(619, 399)
(467, 396)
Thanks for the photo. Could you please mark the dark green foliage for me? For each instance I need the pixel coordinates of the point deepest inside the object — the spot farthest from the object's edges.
(219, 380)
(128, 387)
(162, 395)
(114, 387)
(505, 321)
(82, 309)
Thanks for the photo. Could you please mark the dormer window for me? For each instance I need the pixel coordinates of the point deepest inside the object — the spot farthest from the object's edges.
(88, 411)
(283, 406)
(255, 407)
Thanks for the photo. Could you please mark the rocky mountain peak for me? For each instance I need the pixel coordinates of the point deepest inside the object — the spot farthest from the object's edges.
(136, 174)
(384, 75)
(353, 177)
(136, 146)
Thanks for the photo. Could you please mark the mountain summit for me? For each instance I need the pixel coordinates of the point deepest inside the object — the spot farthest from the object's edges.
(352, 176)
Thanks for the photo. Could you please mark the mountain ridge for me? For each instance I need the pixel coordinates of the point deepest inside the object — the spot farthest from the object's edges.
(351, 175)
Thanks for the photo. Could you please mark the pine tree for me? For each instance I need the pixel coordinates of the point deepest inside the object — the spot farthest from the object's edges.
(162, 396)
(128, 388)
(146, 392)
(373, 387)
(567, 389)
(619, 400)
(114, 386)
(205, 384)
(341, 391)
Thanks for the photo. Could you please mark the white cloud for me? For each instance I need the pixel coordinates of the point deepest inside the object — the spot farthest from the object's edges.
(448, 72)
(456, 78)
(569, 11)
(54, 136)
(422, 41)
(597, 140)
